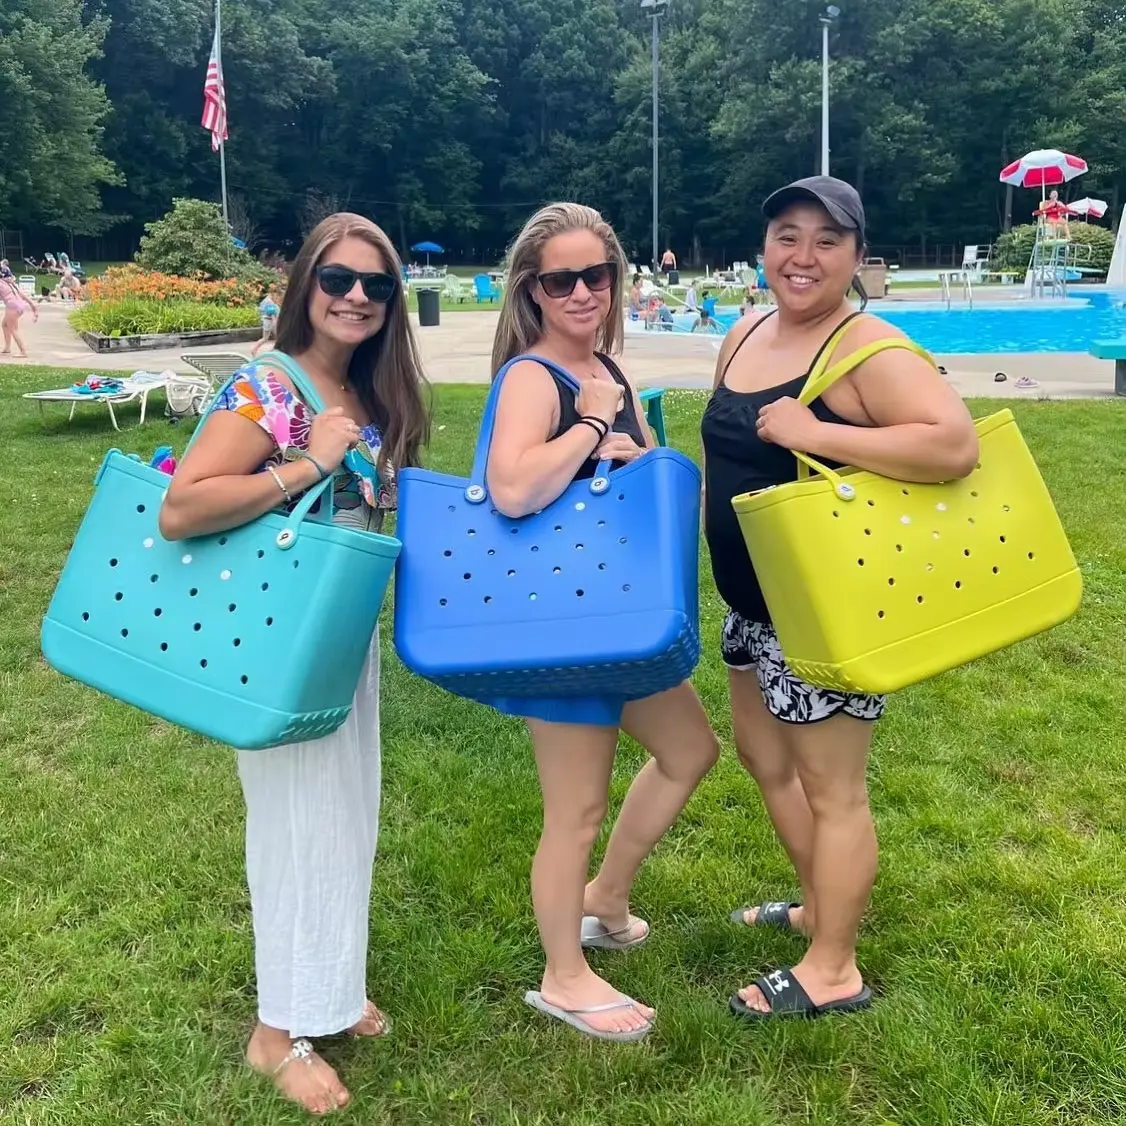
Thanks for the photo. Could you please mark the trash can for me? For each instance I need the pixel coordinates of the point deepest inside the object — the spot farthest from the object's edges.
(874, 277)
(674, 277)
(429, 305)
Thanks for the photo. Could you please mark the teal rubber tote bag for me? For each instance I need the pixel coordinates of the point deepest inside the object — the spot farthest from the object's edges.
(255, 636)
(596, 595)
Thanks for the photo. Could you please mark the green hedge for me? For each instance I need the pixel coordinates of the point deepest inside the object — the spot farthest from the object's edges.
(137, 317)
(1013, 249)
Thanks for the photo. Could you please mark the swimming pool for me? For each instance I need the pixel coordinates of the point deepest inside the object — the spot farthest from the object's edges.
(1063, 326)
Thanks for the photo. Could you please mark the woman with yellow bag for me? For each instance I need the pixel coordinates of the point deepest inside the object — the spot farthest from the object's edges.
(892, 413)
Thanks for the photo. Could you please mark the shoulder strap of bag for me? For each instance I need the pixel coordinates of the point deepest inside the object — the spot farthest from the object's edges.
(823, 376)
(476, 491)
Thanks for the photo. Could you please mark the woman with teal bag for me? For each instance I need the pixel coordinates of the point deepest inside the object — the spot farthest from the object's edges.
(313, 807)
(564, 303)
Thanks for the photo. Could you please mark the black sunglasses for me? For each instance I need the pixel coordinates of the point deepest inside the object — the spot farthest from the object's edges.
(338, 281)
(561, 283)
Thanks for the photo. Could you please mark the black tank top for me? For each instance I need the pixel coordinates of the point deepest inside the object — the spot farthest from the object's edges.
(738, 461)
(626, 422)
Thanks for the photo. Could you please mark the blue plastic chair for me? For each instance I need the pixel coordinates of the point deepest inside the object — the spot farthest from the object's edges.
(484, 288)
(652, 400)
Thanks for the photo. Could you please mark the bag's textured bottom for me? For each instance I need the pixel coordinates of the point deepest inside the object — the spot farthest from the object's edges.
(210, 711)
(911, 660)
(631, 680)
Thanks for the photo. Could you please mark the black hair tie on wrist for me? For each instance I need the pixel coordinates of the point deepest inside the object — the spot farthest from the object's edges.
(600, 424)
(591, 422)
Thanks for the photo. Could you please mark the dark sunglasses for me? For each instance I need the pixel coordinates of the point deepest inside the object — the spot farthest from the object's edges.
(338, 281)
(561, 283)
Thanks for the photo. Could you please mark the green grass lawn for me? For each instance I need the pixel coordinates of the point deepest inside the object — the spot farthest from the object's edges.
(996, 939)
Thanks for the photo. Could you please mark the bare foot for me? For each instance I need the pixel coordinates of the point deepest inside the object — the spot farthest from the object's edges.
(614, 915)
(590, 990)
(821, 986)
(297, 1071)
(373, 1023)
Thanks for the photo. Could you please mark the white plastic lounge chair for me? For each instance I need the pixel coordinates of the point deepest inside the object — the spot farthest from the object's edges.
(137, 386)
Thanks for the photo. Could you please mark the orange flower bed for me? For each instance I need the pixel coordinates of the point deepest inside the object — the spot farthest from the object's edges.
(120, 283)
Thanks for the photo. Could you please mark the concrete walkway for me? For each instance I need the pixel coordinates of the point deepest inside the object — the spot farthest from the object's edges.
(458, 350)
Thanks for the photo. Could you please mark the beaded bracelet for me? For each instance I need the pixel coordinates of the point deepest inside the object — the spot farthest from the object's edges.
(280, 483)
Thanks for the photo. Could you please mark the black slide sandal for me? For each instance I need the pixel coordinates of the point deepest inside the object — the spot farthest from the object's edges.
(770, 914)
(787, 998)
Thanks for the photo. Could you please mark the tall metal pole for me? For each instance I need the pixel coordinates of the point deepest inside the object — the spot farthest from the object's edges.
(222, 144)
(824, 97)
(656, 249)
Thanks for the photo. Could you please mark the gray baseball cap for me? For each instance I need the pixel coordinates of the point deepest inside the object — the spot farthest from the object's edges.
(841, 200)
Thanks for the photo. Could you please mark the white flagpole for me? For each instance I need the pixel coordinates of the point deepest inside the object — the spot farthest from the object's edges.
(222, 144)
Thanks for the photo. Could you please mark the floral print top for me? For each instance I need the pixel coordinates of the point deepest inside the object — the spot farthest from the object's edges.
(260, 396)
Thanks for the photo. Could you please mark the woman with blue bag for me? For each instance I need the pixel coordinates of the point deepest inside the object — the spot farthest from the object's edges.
(343, 340)
(564, 303)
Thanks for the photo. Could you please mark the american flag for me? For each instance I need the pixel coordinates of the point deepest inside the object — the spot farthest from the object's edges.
(214, 97)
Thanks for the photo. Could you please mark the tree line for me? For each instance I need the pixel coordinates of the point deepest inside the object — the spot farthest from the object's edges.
(452, 120)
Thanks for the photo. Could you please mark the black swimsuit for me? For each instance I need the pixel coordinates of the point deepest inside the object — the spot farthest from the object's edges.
(738, 461)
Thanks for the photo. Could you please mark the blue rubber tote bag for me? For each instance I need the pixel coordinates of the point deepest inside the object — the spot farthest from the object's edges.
(595, 595)
(255, 636)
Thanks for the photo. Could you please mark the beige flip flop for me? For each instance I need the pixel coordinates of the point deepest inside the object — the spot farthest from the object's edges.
(574, 1017)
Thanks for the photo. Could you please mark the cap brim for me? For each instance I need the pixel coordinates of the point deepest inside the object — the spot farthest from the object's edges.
(777, 202)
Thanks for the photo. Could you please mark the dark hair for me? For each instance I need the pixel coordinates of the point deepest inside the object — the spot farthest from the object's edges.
(857, 284)
(386, 369)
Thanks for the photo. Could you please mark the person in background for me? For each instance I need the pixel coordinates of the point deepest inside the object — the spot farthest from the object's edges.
(894, 414)
(268, 310)
(635, 298)
(15, 305)
(312, 807)
(690, 300)
(705, 322)
(668, 261)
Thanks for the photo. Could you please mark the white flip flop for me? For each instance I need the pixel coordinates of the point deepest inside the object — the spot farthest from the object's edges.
(573, 1017)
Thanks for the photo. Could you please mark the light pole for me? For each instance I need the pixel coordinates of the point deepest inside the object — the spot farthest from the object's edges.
(831, 13)
(654, 9)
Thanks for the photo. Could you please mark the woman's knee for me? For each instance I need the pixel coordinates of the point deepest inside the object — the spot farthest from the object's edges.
(580, 823)
(767, 762)
(838, 799)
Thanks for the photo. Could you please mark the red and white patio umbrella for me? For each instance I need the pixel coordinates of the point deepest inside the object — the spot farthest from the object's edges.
(1043, 168)
(1087, 206)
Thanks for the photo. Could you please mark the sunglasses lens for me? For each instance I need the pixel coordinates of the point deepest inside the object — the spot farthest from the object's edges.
(336, 281)
(598, 277)
(379, 287)
(559, 283)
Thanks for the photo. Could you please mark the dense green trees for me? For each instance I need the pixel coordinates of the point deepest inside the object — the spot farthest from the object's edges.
(451, 119)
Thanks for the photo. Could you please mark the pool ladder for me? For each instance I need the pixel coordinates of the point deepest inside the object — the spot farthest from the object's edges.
(963, 279)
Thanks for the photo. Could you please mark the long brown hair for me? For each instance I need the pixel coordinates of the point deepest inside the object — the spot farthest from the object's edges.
(385, 370)
(521, 323)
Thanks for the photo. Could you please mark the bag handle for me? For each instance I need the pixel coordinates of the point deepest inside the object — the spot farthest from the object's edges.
(822, 377)
(309, 393)
(476, 493)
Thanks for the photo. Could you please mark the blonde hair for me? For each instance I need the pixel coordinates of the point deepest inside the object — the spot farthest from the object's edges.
(386, 370)
(521, 323)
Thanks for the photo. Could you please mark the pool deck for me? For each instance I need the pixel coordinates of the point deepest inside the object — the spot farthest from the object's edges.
(458, 349)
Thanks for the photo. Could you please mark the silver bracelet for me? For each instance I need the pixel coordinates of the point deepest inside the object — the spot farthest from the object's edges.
(280, 483)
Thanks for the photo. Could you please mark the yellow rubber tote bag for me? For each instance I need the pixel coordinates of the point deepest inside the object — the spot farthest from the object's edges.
(874, 584)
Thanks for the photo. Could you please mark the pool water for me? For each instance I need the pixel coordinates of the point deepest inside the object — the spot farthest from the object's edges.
(1064, 326)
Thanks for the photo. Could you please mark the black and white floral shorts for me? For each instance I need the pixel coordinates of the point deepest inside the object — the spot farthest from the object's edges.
(754, 645)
